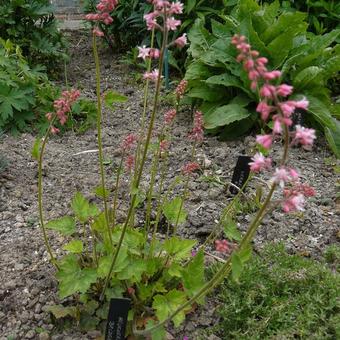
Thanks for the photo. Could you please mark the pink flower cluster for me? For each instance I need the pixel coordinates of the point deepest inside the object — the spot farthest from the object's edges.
(169, 116)
(104, 8)
(127, 147)
(162, 18)
(197, 132)
(273, 102)
(181, 88)
(62, 107)
(189, 168)
(222, 246)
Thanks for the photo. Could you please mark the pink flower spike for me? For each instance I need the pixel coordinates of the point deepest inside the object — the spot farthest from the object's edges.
(49, 116)
(259, 162)
(281, 176)
(284, 90)
(265, 140)
(129, 142)
(181, 41)
(130, 162)
(169, 116)
(143, 52)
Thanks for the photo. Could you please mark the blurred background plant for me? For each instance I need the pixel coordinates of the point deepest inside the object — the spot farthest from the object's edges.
(219, 86)
(32, 25)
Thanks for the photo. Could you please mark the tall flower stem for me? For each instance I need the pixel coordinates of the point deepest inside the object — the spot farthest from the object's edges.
(142, 163)
(99, 136)
(40, 196)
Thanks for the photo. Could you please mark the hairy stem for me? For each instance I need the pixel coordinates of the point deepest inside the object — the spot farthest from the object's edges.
(99, 136)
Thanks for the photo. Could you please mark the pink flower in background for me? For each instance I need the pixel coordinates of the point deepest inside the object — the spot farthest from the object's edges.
(129, 162)
(54, 130)
(143, 52)
(153, 76)
(189, 168)
(259, 162)
(181, 41)
(96, 31)
(172, 23)
(197, 133)
(293, 203)
(265, 140)
(169, 116)
(281, 176)
(304, 136)
(302, 104)
(176, 8)
(264, 109)
(129, 142)
(181, 88)
(222, 246)
(154, 53)
(277, 127)
(63, 105)
(284, 90)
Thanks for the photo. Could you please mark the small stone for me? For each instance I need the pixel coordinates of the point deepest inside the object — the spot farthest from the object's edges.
(44, 336)
(30, 334)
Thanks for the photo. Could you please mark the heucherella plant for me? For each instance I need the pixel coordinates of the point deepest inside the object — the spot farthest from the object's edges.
(142, 256)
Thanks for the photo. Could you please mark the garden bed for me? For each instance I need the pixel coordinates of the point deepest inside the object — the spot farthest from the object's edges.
(27, 278)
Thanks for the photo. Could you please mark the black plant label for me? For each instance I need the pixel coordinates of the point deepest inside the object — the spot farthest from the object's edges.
(117, 319)
(241, 173)
(298, 118)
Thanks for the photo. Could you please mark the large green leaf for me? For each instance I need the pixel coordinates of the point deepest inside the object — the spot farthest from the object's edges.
(197, 70)
(333, 138)
(165, 305)
(227, 80)
(179, 248)
(72, 279)
(308, 77)
(225, 115)
(321, 112)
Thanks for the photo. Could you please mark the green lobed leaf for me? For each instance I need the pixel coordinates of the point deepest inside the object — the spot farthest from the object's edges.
(230, 230)
(59, 311)
(174, 211)
(65, 225)
(165, 305)
(179, 248)
(236, 267)
(36, 149)
(193, 275)
(75, 246)
(82, 208)
(72, 279)
(112, 97)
